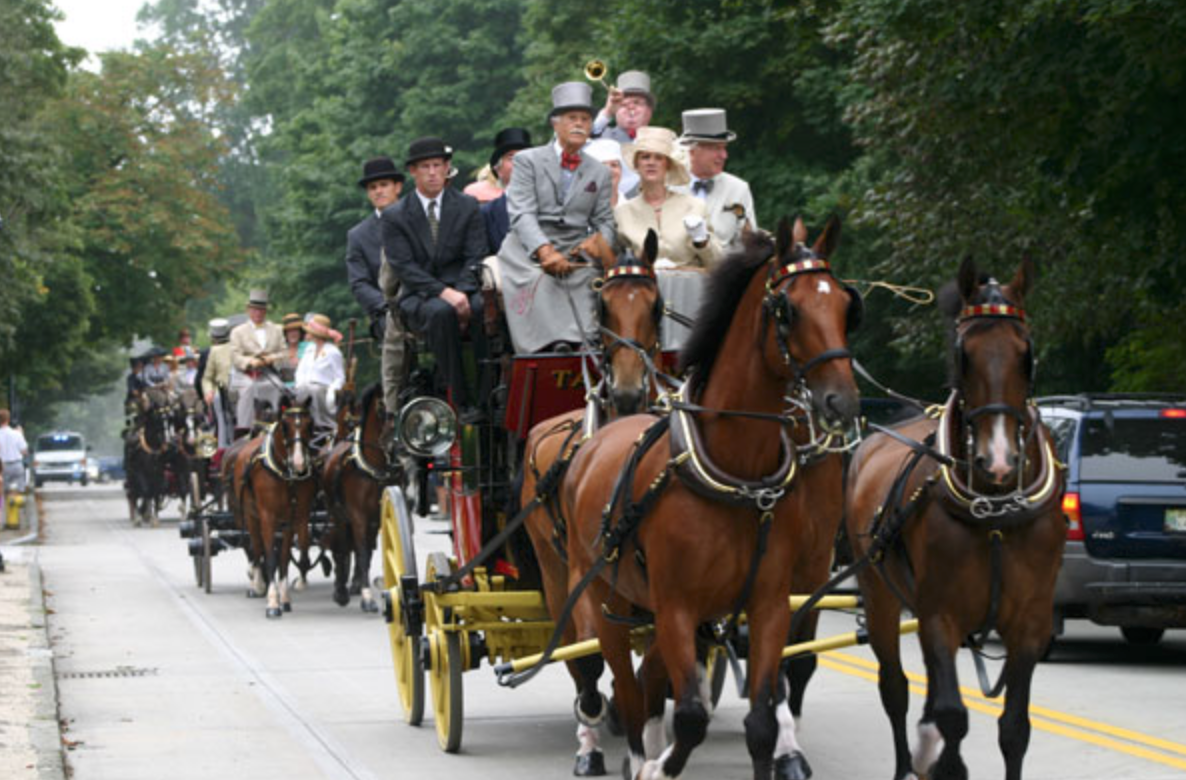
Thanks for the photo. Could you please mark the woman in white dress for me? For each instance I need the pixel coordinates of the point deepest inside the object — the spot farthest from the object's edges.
(685, 239)
(321, 371)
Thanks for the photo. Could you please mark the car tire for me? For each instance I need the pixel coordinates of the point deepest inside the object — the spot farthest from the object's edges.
(1142, 636)
(38, 483)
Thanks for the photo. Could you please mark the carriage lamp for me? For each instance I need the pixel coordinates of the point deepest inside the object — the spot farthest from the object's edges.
(427, 427)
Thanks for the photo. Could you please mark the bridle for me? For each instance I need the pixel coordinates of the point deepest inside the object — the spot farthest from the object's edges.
(611, 341)
(289, 418)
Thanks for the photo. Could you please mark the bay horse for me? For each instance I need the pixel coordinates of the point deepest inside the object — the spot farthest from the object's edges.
(145, 449)
(353, 477)
(630, 312)
(274, 485)
(656, 521)
(968, 528)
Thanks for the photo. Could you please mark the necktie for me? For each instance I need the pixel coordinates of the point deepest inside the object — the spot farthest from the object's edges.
(434, 224)
(702, 185)
(570, 162)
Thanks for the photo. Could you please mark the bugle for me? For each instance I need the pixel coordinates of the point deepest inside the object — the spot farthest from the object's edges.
(596, 70)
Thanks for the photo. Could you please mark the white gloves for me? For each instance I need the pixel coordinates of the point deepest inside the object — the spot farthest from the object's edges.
(697, 229)
(663, 264)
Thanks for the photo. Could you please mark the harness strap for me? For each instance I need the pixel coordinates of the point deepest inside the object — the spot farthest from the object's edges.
(976, 641)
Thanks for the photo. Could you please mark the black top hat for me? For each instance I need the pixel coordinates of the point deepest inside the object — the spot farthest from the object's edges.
(379, 168)
(509, 140)
(428, 149)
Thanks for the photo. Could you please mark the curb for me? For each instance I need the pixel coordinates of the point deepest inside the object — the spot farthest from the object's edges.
(45, 733)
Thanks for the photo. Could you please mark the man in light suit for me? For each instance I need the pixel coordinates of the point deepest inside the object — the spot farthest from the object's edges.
(727, 198)
(435, 240)
(255, 346)
(558, 199)
(369, 280)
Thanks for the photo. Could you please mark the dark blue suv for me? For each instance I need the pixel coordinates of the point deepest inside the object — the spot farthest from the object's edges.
(1125, 561)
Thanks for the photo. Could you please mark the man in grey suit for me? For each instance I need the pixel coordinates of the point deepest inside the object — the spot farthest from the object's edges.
(373, 286)
(435, 240)
(726, 197)
(558, 199)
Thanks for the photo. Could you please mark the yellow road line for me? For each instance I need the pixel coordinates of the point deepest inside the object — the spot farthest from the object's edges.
(1042, 718)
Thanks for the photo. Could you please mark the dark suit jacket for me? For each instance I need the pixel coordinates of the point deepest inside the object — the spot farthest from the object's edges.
(455, 261)
(364, 243)
(498, 223)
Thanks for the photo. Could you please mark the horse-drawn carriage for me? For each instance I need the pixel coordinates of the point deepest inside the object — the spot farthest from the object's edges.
(675, 533)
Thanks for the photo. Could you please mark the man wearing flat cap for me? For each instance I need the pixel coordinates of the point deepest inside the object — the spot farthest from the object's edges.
(509, 142)
(726, 197)
(255, 346)
(373, 286)
(558, 199)
(435, 241)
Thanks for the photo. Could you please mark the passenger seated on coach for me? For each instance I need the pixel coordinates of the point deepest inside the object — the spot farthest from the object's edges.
(557, 201)
(434, 241)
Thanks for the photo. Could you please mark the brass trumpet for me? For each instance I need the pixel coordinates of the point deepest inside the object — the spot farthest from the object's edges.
(595, 70)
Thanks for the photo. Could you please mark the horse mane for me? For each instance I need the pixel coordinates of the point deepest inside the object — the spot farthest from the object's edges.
(723, 291)
(368, 395)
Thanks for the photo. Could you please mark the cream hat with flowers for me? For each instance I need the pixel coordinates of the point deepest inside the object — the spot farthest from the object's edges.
(662, 141)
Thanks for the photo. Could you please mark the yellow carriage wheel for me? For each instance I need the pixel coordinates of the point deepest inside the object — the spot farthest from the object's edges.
(399, 560)
(445, 679)
(201, 562)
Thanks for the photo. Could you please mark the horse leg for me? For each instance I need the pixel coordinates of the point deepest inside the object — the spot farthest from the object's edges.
(940, 641)
(615, 650)
(363, 548)
(341, 552)
(799, 670)
(590, 707)
(675, 634)
(769, 726)
(882, 612)
(653, 675)
(271, 564)
(282, 577)
(1025, 644)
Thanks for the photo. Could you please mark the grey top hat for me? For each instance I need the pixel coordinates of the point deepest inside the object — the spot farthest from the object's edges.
(258, 298)
(706, 124)
(220, 330)
(571, 96)
(635, 82)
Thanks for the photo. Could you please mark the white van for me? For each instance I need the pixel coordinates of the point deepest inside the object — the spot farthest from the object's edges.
(61, 455)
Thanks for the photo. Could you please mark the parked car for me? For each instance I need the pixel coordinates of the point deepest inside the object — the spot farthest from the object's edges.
(111, 468)
(62, 456)
(1125, 560)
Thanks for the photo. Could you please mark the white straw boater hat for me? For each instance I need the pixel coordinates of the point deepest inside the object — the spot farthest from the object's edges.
(662, 141)
(706, 124)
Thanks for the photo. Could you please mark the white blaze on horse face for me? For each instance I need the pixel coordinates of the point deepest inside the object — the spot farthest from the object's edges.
(787, 744)
(998, 450)
(298, 456)
(823, 287)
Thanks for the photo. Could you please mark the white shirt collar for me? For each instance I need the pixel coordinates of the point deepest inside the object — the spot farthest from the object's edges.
(425, 201)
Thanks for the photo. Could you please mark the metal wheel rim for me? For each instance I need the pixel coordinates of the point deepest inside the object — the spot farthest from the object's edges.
(447, 699)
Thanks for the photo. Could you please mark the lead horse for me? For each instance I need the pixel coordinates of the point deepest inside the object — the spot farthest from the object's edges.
(657, 521)
(964, 515)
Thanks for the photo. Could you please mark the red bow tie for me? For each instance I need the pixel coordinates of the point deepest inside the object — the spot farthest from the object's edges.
(570, 162)
(632, 133)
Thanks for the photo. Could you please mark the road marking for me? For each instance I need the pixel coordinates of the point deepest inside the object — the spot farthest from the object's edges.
(1072, 726)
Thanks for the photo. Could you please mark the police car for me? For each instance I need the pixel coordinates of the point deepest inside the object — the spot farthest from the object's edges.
(62, 456)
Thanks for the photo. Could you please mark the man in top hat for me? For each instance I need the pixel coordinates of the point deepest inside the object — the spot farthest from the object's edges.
(727, 198)
(214, 377)
(255, 346)
(630, 104)
(435, 241)
(374, 287)
(558, 199)
(509, 142)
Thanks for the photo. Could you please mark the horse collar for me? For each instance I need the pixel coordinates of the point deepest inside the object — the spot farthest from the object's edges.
(704, 477)
(362, 463)
(1012, 509)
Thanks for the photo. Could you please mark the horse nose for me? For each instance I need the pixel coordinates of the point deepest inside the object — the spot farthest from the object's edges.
(840, 409)
(628, 400)
(998, 470)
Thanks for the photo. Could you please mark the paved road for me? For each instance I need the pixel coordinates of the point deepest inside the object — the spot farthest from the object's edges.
(158, 680)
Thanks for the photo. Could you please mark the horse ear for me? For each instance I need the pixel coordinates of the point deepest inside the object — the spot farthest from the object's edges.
(968, 279)
(826, 243)
(1023, 280)
(650, 248)
(800, 232)
(784, 242)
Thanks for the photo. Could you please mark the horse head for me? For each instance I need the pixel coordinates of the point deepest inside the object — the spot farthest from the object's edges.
(631, 309)
(992, 371)
(296, 429)
(811, 314)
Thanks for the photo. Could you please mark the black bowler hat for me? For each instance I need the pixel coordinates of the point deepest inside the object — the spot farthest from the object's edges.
(428, 149)
(379, 168)
(510, 139)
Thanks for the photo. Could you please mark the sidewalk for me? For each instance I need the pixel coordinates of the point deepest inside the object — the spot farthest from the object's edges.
(30, 742)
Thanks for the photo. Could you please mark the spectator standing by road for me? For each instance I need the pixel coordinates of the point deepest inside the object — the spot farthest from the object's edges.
(13, 449)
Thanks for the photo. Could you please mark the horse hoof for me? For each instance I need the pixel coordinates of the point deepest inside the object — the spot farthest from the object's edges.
(370, 606)
(591, 764)
(792, 766)
(251, 594)
(274, 613)
(342, 598)
(287, 607)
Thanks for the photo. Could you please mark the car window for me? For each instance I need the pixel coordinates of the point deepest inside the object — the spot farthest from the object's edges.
(59, 441)
(1133, 450)
(1063, 431)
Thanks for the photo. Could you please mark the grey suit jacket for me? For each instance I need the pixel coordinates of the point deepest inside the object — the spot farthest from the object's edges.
(538, 213)
(364, 256)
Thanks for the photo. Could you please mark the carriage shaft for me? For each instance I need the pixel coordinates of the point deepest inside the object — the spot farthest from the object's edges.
(851, 639)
